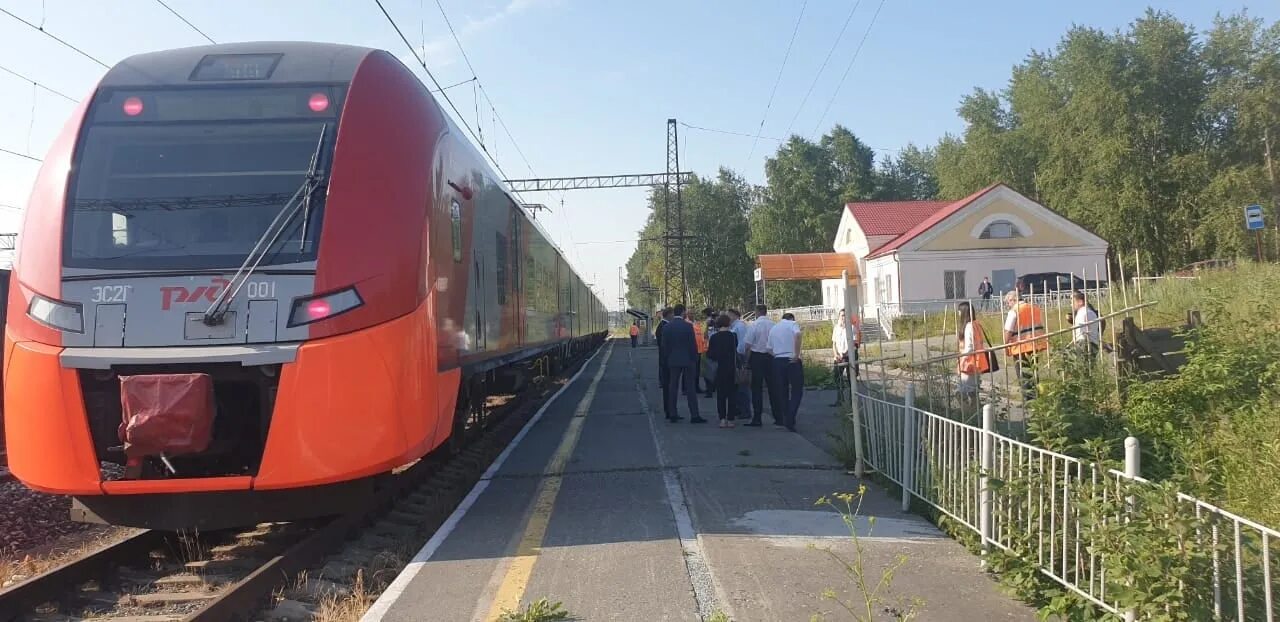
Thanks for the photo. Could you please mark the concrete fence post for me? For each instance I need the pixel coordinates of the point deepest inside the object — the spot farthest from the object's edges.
(987, 465)
(1132, 469)
(910, 441)
(851, 307)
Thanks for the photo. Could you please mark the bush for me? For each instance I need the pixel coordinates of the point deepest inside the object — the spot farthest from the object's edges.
(1211, 428)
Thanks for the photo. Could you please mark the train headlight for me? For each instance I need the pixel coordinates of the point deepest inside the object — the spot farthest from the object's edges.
(64, 316)
(324, 306)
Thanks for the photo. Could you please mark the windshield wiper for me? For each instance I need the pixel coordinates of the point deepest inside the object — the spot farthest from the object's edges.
(313, 176)
(218, 310)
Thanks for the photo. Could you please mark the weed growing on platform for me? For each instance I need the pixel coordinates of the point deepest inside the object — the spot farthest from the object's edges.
(844, 445)
(719, 616)
(871, 599)
(541, 610)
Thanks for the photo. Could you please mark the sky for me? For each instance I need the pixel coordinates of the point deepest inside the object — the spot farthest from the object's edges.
(585, 87)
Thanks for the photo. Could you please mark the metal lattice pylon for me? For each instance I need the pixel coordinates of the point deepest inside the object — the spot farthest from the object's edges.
(674, 283)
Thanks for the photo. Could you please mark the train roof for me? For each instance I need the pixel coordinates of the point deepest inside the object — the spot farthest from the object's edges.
(286, 62)
(290, 62)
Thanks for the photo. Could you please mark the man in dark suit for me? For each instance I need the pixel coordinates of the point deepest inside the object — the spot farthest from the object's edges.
(664, 376)
(682, 359)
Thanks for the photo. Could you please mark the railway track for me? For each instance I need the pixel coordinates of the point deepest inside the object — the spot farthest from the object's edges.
(272, 571)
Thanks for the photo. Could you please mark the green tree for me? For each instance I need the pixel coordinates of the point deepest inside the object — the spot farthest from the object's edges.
(717, 267)
(801, 209)
(1153, 137)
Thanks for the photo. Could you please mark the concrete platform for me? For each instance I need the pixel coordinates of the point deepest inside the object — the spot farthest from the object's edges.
(603, 505)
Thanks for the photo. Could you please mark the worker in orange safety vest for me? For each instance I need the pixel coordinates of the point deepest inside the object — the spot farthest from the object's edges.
(1024, 335)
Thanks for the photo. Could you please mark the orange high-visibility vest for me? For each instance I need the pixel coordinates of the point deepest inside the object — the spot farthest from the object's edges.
(698, 337)
(978, 362)
(1029, 336)
(635, 330)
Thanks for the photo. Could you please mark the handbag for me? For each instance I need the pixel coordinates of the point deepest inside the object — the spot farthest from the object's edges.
(742, 375)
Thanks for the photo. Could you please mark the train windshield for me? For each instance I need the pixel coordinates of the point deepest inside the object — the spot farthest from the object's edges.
(191, 178)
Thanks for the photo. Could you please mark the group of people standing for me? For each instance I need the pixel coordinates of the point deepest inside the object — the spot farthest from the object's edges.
(1025, 338)
(742, 361)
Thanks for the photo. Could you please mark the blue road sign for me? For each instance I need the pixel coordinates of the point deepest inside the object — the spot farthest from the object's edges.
(1253, 217)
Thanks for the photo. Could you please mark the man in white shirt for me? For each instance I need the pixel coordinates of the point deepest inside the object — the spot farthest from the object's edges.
(840, 351)
(784, 346)
(761, 366)
(743, 394)
(1087, 332)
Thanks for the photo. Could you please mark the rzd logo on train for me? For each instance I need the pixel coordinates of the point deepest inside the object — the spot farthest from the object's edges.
(178, 294)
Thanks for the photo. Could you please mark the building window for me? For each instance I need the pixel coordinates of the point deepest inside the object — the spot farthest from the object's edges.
(888, 288)
(1000, 230)
(953, 284)
(848, 236)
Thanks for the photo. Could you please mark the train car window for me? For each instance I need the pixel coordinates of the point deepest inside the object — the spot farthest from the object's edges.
(515, 244)
(455, 227)
(501, 277)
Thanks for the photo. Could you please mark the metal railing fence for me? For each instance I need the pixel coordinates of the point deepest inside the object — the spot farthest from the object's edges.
(1073, 519)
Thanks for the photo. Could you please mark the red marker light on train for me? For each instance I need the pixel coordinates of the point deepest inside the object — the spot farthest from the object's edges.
(320, 308)
(319, 102)
(132, 106)
(315, 308)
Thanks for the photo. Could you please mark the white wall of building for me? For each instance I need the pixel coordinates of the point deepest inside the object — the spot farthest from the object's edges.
(882, 283)
(922, 272)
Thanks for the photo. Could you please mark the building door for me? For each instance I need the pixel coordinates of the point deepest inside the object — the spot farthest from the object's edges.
(1003, 280)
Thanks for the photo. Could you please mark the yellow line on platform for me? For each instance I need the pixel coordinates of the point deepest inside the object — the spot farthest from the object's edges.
(516, 580)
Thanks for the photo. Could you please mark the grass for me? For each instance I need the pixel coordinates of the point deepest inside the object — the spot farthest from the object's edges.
(346, 608)
(1212, 427)
(541, 610)
(57, 553)
(818, 377)
(816, 336)
(369, 582)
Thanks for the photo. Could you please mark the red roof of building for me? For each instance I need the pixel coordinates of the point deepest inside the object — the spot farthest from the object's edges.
(892, 217)
(937, 215)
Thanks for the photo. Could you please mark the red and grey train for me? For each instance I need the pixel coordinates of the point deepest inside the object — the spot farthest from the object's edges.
(293, 268)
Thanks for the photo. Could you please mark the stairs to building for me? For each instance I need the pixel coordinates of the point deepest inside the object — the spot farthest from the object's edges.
(872, 331)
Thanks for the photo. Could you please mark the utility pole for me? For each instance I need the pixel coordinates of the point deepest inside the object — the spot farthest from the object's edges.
(673, 222)
(622, 292)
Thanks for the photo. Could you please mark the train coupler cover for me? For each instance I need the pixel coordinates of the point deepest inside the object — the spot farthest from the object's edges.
(166, 414)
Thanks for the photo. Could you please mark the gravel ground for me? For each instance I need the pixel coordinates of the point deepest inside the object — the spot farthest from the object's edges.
(29, 519)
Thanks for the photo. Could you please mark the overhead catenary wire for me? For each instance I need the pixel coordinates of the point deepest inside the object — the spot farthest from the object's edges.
(455, 84)
(774, 91)
(493, 109)
(20, 155)
(187, 22)
(773, 138)
(46, 33)
(847, 68)
(729, 132)
(39, 85)
(823, 67)
(443, 93)
(454, 107)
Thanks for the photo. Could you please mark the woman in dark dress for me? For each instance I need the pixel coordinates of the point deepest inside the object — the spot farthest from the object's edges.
(723, 349)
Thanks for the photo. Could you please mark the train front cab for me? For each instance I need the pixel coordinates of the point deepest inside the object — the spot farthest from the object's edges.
(309, 413)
